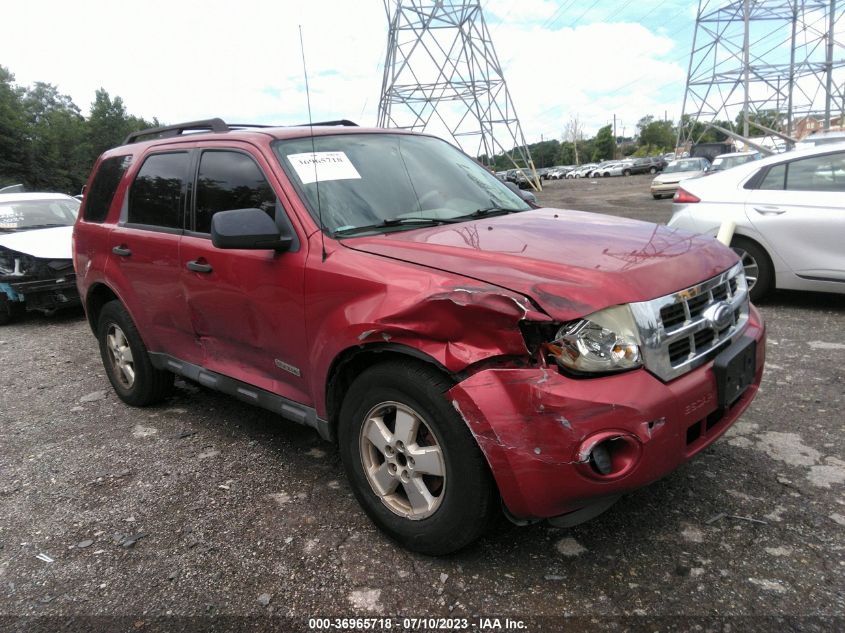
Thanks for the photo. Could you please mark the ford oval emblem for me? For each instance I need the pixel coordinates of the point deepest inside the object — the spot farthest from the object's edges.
(719, 315)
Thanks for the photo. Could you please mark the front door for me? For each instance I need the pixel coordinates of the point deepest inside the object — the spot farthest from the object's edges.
(246, 306)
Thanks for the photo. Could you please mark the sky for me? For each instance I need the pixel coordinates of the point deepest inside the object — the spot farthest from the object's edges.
(182, 60)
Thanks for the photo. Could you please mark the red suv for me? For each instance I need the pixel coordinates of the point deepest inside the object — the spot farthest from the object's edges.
(464, 348)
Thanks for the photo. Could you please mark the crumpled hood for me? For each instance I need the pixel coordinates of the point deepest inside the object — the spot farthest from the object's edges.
(571, 263)
(52, 243)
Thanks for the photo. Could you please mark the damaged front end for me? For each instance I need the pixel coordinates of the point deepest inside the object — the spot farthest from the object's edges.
(590, 418)
(29, 283)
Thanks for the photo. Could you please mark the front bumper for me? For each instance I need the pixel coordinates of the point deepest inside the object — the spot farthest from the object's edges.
(664, 187)
(533, 425)
(42, 294)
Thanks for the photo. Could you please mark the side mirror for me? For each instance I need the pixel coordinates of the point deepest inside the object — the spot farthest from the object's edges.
(249, 229)
(522, 193)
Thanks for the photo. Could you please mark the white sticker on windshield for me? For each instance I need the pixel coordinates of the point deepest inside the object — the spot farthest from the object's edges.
(329, 166)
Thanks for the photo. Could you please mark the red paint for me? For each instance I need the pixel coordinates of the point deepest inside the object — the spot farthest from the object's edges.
(454, 294)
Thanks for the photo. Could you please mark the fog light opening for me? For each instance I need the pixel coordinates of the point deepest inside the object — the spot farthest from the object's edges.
(613, 456)
(600, 459)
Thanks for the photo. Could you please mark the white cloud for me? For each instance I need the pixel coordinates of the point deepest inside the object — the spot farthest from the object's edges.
(183, 60)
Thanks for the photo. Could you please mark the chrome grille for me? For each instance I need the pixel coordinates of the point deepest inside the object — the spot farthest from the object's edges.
(684, 330)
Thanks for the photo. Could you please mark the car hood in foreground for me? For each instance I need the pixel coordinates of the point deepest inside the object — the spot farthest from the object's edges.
(52, 243)
(570, 263)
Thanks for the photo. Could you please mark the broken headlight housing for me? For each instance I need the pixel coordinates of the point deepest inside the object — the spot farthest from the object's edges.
(602, 342)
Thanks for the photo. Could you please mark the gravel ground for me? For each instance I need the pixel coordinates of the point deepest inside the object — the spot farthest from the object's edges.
(207, 512)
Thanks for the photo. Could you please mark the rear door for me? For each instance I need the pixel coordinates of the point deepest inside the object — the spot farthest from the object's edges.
(144, 253)
(799, 208)
(246, 306)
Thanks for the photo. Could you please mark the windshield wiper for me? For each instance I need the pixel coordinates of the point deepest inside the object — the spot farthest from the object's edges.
(488, 211)
(390, 222)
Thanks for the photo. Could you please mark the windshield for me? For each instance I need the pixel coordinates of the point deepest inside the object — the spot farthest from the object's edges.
(366, 180)
(22, 215)
(683, 165)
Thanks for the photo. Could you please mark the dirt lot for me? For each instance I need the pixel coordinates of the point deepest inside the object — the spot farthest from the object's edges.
(207, 512)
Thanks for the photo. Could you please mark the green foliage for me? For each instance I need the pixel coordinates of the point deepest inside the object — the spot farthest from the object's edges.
(603, 144)
(657, 133)
(46, 143)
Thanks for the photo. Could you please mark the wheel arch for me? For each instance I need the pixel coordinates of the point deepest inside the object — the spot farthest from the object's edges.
(745, 237)
(98, 296)
(354, 360)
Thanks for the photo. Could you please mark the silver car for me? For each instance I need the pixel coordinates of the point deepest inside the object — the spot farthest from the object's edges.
(666, 183)
(789, 211)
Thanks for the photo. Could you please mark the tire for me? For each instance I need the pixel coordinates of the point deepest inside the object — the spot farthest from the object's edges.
(9, 310)
(652, 170)
(126, 360)
(460, 503)
(627, 172)
(759, 271)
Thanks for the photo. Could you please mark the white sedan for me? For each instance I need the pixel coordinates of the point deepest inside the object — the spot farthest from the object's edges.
(789, 211)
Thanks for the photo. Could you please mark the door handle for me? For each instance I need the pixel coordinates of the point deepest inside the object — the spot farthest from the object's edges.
(121, 250)
(769, 210)
(199, 267)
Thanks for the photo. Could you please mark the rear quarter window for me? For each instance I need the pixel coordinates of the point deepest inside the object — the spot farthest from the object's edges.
(100, 194)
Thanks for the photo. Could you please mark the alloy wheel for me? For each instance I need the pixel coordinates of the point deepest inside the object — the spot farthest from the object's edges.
(749, 265)
(120, 355)
(402, 460)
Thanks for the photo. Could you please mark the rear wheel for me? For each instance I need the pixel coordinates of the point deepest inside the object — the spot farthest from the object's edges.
(652, 170)
(758, 268)
(126, 360)
(412, 462)
(626, 172)
(9, 310)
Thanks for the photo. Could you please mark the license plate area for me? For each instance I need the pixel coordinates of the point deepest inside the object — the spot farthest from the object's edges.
(735, 369)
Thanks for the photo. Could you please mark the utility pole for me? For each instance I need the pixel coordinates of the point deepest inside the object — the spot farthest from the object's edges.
(614, 136)
(746, 51)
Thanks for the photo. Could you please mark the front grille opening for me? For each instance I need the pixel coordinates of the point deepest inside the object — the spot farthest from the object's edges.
(704, 338)
(720, 293)
(697, 305)
(732, 284)
(672, 315)
(679, 350)
(713, 419)
(693, 432)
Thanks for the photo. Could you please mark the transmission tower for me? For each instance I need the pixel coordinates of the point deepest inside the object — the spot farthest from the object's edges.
(442, 75)
(778, 61)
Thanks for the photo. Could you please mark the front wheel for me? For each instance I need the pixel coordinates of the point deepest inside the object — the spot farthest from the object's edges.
(627, 172)
(126, 360)
(411, 460)
(652, 170)
(756, 265)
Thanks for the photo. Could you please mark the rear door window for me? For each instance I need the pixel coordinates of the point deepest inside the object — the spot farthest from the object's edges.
(100, 194)
(774, 178)
(229, 180)
(157, 195)
(817, 173)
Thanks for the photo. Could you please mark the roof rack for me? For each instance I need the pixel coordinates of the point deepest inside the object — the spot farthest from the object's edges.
(344, 122)
(212, 125)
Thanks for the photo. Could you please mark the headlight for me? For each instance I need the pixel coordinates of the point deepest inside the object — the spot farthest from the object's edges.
(605, 341)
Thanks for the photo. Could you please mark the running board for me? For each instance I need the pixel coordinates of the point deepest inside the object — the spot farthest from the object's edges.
(288, 409)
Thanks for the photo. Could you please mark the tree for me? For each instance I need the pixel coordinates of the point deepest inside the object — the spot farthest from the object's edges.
(574, 133)
(12, 130)
(603, 144)
(655, 132)
(55, 155)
